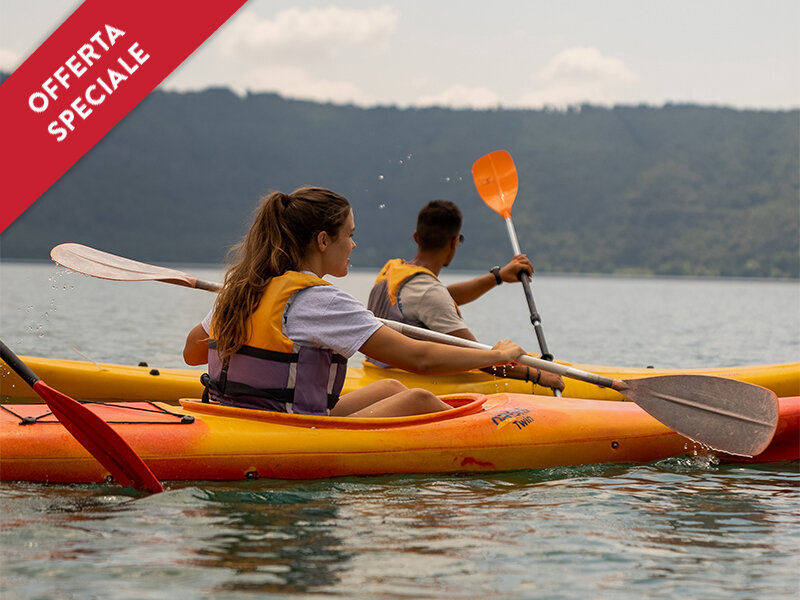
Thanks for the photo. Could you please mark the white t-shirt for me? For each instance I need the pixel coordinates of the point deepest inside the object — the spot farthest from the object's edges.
(427, 300)
(324, 316)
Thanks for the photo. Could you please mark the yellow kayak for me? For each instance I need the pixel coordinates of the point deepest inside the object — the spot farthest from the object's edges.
(102, 381)
(781, 378)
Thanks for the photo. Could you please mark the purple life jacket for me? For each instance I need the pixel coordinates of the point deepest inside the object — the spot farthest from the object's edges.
(270, 372)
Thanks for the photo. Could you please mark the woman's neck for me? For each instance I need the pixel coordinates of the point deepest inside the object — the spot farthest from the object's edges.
(311, 265)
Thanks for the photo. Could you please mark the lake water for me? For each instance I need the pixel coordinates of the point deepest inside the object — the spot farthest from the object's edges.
(685, 527)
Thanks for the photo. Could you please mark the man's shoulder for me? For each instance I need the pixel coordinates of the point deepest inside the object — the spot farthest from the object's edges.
(422, 282)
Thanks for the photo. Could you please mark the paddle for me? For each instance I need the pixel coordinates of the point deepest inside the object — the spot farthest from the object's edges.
(94, 434)
(724, 414)
(97, 263)
(496, 180)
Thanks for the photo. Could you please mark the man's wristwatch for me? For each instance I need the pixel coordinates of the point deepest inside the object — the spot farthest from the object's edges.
(496, 272)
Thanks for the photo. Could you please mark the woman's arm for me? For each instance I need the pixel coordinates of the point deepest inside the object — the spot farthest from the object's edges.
(393, 348)
(195, 352)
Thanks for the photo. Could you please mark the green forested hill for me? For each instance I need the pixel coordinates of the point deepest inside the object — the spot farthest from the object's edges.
(673, 190)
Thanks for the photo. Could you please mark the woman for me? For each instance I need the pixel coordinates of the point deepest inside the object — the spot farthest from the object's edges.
(279, 336)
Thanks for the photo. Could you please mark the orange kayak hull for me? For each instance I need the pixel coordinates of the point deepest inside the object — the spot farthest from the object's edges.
(502, 432)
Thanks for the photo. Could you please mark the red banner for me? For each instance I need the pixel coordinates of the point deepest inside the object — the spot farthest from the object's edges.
(99, 64)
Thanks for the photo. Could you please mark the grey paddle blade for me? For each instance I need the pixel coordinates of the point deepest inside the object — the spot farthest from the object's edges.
(724, 414)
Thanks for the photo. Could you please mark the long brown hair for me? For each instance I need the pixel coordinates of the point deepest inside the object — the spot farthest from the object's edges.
(283, 227)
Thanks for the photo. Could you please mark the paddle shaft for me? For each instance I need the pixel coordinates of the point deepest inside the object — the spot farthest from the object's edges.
(496, 180)
(192, 282)
(536, 319)
(16, 365)
(530, 361)
(211, 286)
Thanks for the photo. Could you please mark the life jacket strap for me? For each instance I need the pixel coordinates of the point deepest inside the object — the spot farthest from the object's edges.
(233, 389)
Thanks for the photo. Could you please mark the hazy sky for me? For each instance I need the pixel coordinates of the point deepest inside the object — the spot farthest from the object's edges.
(468, 53)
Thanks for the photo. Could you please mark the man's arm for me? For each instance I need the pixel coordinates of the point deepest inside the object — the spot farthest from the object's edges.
(467, 291)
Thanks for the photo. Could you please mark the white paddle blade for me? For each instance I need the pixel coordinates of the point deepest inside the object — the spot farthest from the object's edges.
(96, 263)
(723, 414)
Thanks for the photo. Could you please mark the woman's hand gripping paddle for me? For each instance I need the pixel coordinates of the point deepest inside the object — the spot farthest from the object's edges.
(724, 414)
(94, 434)
(496, 180)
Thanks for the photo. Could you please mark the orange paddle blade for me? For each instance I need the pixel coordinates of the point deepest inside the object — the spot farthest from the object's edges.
(495, 178)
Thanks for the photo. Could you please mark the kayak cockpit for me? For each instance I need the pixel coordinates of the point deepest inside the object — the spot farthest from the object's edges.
(463, 404)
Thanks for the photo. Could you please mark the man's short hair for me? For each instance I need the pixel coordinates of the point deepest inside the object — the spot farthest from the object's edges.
(438, 223)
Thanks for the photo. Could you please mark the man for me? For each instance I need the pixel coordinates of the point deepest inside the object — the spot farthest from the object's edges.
(411, 292)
